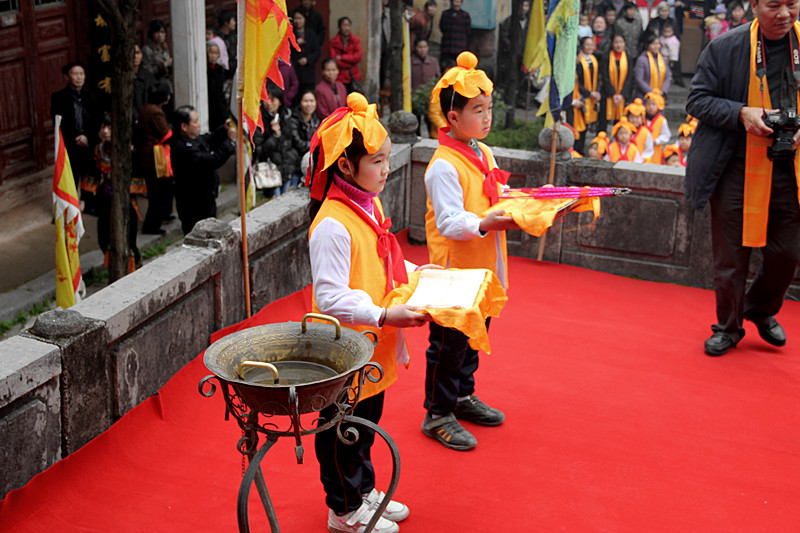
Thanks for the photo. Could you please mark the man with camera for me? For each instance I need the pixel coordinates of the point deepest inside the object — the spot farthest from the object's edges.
(743, 161)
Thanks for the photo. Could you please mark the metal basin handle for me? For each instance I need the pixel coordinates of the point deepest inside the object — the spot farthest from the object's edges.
(319, 316)
(259, 364)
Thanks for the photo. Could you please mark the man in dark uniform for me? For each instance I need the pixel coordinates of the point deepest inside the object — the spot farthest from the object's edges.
(753, 197)
(80, 119)
(195, 160)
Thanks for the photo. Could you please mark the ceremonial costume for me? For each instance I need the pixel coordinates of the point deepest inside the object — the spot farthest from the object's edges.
(461, 181)
(652, 73)
(642, 137)
(355, 262)
(754, 201)
(659, 129)
(617, 75)
(587, 77)
(628, 152)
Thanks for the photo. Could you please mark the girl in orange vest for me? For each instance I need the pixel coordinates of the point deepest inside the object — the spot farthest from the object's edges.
(641, 138)
(462, 181)
(622, 149)
(657, 124)
(355, 262)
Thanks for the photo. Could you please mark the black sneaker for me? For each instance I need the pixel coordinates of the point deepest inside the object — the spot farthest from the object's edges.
(477, 412)
(449, 432)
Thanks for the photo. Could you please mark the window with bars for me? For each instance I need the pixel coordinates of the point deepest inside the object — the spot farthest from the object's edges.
(8, 6)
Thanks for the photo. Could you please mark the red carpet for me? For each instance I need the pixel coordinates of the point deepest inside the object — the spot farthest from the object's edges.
(616, 421)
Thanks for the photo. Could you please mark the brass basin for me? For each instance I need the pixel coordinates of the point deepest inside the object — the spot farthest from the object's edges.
(338, 352)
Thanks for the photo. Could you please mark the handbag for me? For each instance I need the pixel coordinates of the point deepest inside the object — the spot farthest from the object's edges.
(355, 84)
(267, 175)
(162, 157)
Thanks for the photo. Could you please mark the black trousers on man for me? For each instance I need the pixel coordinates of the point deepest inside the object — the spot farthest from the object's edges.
(450, 371)
(731, 260)
(346, 470)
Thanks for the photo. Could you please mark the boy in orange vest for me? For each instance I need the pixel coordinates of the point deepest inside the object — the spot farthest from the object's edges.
(462, 181)
(622, 149)
(636, 113)
(657, 124)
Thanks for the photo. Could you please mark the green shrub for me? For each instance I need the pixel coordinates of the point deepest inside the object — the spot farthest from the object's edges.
(525, 136)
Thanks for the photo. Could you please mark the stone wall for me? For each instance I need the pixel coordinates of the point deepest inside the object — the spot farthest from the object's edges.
(75, 372)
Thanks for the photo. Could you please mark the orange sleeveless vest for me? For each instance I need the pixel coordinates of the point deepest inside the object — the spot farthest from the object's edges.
(615, 153)
(367, 273)
(477, 252)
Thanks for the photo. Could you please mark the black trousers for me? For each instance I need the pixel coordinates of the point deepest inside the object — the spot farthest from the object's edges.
(346, 470)
(731, 260)
(159, 201)
(450, 371)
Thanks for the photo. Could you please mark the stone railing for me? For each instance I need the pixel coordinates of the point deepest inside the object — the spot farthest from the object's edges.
(74, 373)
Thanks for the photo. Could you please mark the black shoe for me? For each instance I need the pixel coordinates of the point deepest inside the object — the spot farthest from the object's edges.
(477, 412)
(719, 343)
(770, 330)
(449, 432)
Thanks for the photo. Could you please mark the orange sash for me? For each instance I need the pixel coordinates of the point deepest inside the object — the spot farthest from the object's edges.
(758, 167)
(657, 75)
(617, 78)
(655, 129)
(589, 111)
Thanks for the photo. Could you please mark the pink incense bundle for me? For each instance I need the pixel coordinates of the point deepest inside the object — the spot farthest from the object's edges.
(549, 193)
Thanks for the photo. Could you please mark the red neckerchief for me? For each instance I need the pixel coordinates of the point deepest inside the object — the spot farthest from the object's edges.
(388, 248)
(491, 177)
(651, 122)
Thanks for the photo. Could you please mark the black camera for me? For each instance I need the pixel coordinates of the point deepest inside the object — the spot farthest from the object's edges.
(783, 123)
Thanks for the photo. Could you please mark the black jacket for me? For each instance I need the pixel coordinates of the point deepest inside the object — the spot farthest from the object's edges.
(606, 89)
(717, 94)
(266, 145)
(194, 165)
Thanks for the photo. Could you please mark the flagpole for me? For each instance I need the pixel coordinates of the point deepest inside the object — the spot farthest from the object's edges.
(240, 24)
(553, 143)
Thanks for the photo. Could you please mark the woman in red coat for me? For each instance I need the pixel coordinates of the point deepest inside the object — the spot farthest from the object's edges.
(345, 48)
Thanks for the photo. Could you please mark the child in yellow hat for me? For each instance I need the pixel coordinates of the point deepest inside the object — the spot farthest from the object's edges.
(636, 113)
(623, 149)
(656, 123)
(462, 181)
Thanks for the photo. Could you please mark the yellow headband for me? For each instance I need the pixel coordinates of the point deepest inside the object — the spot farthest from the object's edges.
(336, 131)
(636, 108)
(686, 130)
(657, 97)
(465, 79)
(623, 123)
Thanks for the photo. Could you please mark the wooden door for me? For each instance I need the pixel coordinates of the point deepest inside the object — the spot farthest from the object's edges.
(34, 44)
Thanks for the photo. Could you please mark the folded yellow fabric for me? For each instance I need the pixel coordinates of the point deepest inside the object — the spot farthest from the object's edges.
(471, 322)
(535, 216)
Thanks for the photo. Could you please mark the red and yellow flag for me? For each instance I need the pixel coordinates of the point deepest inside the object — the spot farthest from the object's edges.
(69, 228)
(267, 34)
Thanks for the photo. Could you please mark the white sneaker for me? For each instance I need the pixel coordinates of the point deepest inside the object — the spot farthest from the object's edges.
(395, 511)
(356, 521)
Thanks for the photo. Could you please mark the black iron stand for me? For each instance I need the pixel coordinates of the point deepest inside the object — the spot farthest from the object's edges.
(248, 420)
